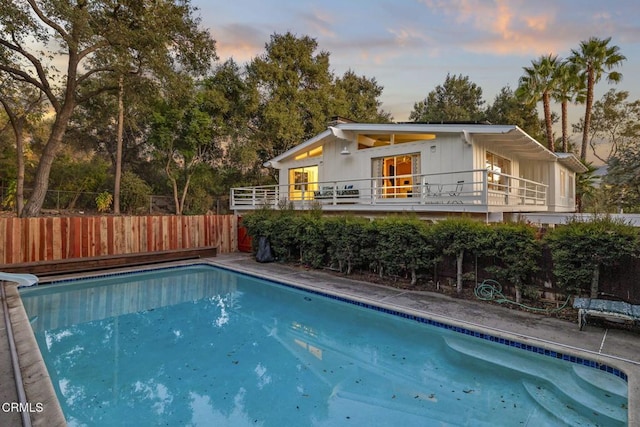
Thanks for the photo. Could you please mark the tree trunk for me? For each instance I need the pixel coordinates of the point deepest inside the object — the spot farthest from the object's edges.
(546, 104)
(587, 114)
(414, 277)
(176, 200)
(185, 190)
(518, 293)
(64, 112)
(595, 279)
(120, 131)
(20, 164)
(565, 126)
(41, 182)
(459, 260)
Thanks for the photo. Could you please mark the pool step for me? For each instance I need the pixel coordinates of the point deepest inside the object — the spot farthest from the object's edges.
(610, 384)
(564, 412)
(586, 394)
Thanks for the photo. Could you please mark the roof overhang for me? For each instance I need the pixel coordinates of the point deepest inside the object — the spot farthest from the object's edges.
(508, 137)
(570, 161)
(305, 146)
(515, 140)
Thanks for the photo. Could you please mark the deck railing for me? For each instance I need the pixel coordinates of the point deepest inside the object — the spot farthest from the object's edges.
(480, 188)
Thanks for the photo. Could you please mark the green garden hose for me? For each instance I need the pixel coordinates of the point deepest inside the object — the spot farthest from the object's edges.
(491, 290)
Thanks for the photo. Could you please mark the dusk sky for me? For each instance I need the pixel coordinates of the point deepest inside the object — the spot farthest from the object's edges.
(409, 46)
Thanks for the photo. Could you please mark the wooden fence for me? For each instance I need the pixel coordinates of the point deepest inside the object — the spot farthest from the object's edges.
(57, 238)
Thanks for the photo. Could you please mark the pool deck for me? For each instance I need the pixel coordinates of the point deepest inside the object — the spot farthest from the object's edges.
(617, 348)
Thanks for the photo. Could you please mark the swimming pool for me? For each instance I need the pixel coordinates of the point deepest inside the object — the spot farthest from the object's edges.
(204, 346)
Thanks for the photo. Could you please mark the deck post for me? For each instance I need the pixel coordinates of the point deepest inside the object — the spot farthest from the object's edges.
(485, 187)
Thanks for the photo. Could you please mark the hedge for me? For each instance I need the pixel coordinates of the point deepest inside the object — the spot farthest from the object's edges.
(407, 247)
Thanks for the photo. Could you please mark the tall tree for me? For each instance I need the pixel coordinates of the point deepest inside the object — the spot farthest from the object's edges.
(570, 87)
(97, 37)
(594, 59)
(615, 124)
(457, 99)
(22, 104)
(623, 177)
(358, 98)
(293, 85)
(538, 83)
(182, 137)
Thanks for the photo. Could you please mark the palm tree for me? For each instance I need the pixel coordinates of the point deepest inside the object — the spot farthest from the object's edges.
(537, 84)
(570, 87)
(594, 59)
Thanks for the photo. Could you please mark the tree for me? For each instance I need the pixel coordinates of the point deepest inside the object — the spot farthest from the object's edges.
(615, 123)
(623, 177)
(22, 105)
(97, 37)
(458, 99)
(182, 136)
(593, 59)
(538, 84)
(585, 187)
(293, 85)
(358, 98)
(569, 88)
(507, 109)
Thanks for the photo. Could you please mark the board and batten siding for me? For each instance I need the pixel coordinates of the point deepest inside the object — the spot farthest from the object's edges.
(57, 238)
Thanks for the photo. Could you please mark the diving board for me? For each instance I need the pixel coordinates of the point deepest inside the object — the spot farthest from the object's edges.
(23, 279)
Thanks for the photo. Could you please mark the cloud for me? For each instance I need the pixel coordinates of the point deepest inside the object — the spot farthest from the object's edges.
(319, 22)
(241, 42)
(504, 27)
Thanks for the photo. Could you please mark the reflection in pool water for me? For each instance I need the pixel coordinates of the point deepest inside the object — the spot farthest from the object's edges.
(205, 346)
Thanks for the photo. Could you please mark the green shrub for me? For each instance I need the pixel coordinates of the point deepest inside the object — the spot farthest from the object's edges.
(313, 243)
(403, 247)
(103, 201)
(517, 253)
(457, 236)
(134, 193)
(580, 249)
(347, 242)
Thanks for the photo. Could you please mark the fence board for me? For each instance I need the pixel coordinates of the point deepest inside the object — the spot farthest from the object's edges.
(50, 239)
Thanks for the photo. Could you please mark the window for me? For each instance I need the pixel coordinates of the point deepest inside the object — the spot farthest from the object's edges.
(366, 141)
(302, 182)
(498, 167)
(314, 152)
(563, 183)
(396, 175)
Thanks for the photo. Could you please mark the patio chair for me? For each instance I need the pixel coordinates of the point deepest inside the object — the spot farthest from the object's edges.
(613, 311)
(458, 189)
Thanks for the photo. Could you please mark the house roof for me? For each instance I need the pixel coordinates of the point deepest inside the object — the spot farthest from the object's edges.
(504, 136)
(571, 161)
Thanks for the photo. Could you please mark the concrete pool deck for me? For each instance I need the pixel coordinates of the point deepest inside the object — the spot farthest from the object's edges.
(617, 348)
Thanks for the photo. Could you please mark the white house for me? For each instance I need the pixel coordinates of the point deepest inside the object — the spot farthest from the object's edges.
(434, 170)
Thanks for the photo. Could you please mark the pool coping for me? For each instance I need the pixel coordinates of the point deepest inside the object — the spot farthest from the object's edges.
(43, 405)
(46, 392)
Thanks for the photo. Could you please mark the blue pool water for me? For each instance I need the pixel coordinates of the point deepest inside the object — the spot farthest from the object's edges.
(202, 346)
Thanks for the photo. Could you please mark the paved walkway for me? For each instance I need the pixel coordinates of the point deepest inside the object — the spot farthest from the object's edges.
(614, 347)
